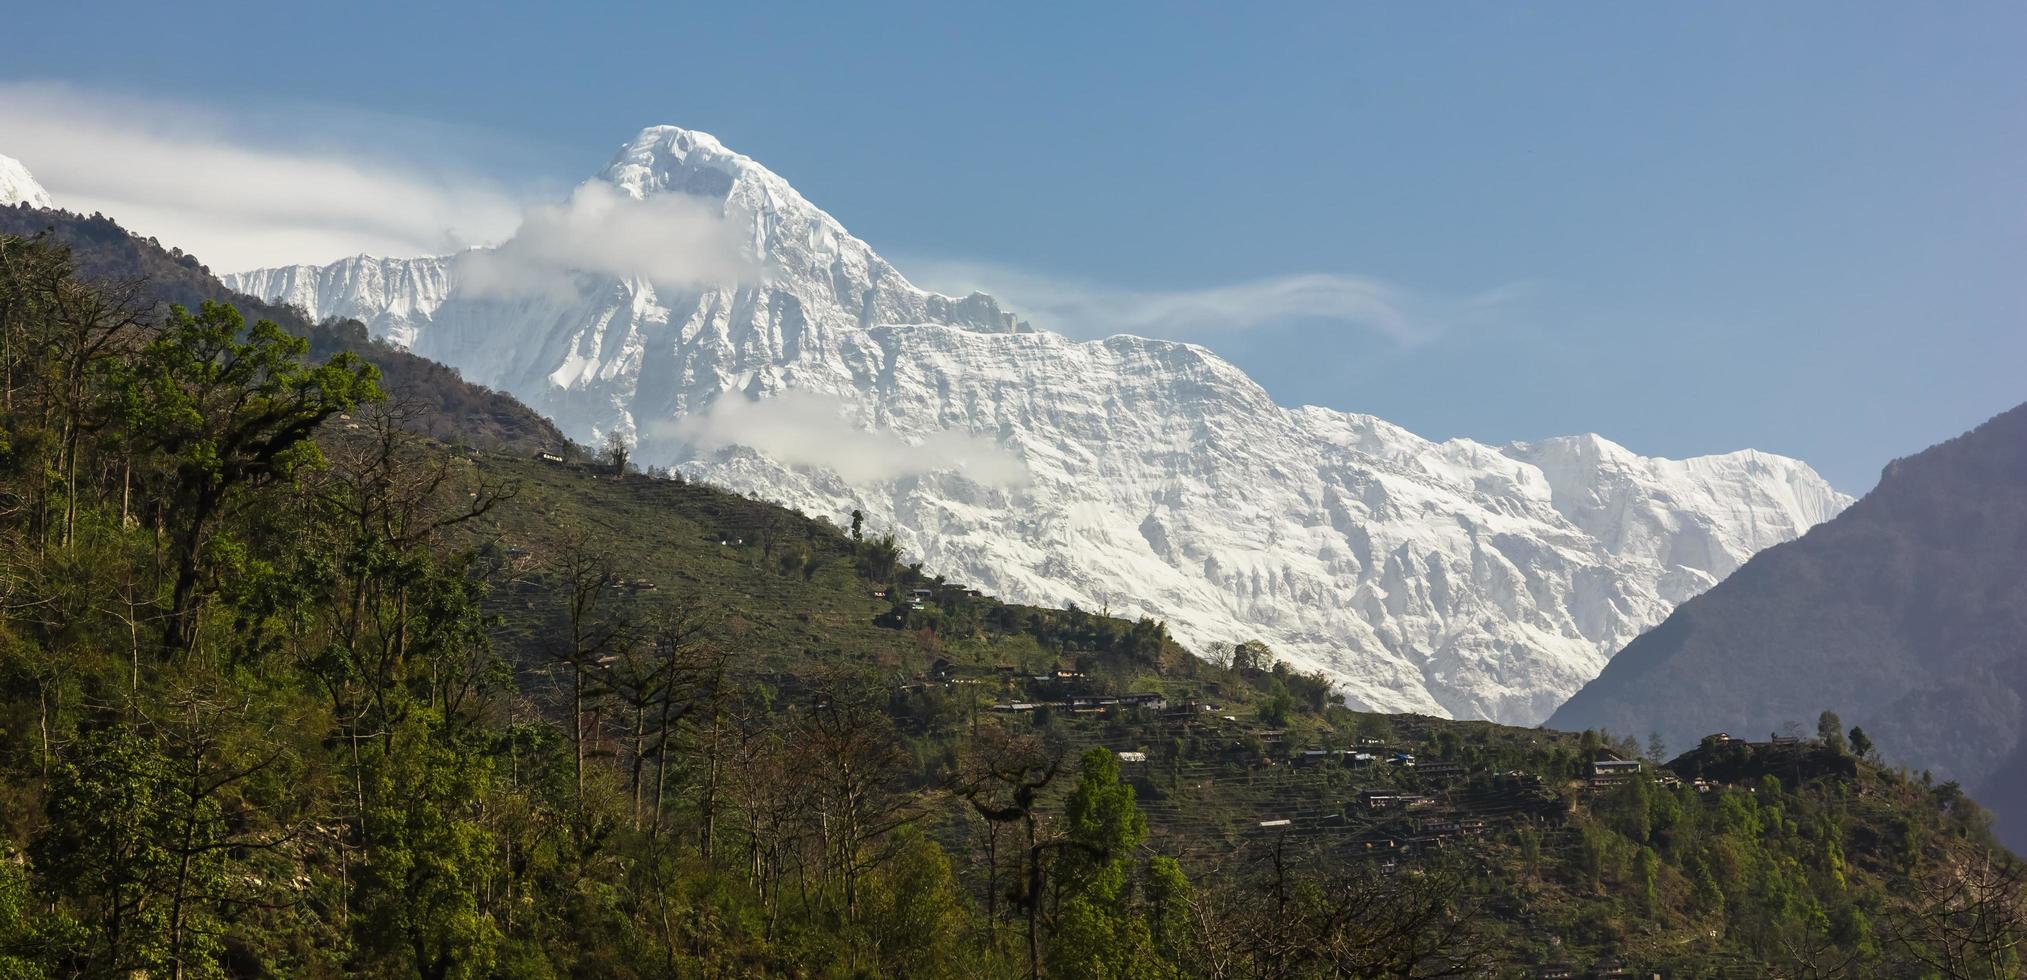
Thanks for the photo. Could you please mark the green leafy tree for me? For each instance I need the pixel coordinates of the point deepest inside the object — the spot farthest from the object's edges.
(913, 913)
(1276, 709)
(1252, 655)
(1647, 872)
(1103, 825)
(232, 407)
(1097, 933)
(430, 855)
(1169, 894)
(1830, 729)
(18, 918)
(113, 817)
(880, 557)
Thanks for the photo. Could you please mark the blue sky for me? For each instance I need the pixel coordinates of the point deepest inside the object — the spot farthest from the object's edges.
(1799, 227)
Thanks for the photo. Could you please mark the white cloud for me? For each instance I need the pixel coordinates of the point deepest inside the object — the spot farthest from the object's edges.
(239, 199)
(801, 428)
(1083, 309)
(672, 240)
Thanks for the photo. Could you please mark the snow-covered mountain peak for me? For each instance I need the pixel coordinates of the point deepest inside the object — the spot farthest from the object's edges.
(671, 159)
(18, 186)
(1141, 475)
(807, 249)
(665, 158)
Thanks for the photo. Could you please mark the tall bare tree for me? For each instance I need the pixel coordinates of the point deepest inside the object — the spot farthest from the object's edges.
(1002, 775)
(594, 626)
(1966, 918)
(854, 759)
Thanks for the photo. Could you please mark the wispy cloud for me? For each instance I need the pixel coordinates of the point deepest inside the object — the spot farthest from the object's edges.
(1085, 309)
(672, 240)
(801, 428)
(237, 197)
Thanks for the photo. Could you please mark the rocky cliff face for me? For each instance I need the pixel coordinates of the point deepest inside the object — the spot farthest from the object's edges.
(1138, 475)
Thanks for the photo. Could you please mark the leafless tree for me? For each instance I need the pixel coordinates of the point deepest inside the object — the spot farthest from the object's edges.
(1305, 915)
(1967, 917)
(854, 760)
(1002, 775)
(594, 627)
(660, 679)
(89, 325)
(770, 798)
(616, 451)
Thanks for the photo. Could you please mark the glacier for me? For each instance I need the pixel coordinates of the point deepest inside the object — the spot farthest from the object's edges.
(1148, 477)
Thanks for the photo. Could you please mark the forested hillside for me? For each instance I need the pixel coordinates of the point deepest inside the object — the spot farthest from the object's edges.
(290, 689)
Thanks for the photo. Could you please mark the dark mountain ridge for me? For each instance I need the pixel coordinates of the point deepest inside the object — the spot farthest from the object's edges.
(440, 402)
(1906, 615)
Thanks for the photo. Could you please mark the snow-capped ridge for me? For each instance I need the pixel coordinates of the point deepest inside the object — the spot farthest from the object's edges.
(1725, 506)
(18, 186)
(1449, 577)
(395, 298)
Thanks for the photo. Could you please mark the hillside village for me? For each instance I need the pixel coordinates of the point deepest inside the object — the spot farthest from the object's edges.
(1234, 764)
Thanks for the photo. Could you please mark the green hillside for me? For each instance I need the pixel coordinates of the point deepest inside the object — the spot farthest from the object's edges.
(290, 689)
(1732, 859)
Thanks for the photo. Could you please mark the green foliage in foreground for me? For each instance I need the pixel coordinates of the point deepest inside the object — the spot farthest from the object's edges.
(286, 692)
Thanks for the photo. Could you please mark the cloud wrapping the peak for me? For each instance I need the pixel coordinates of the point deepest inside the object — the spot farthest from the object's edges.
(801, 428)
(1083, 309)
(201, 181)
(672, 240)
